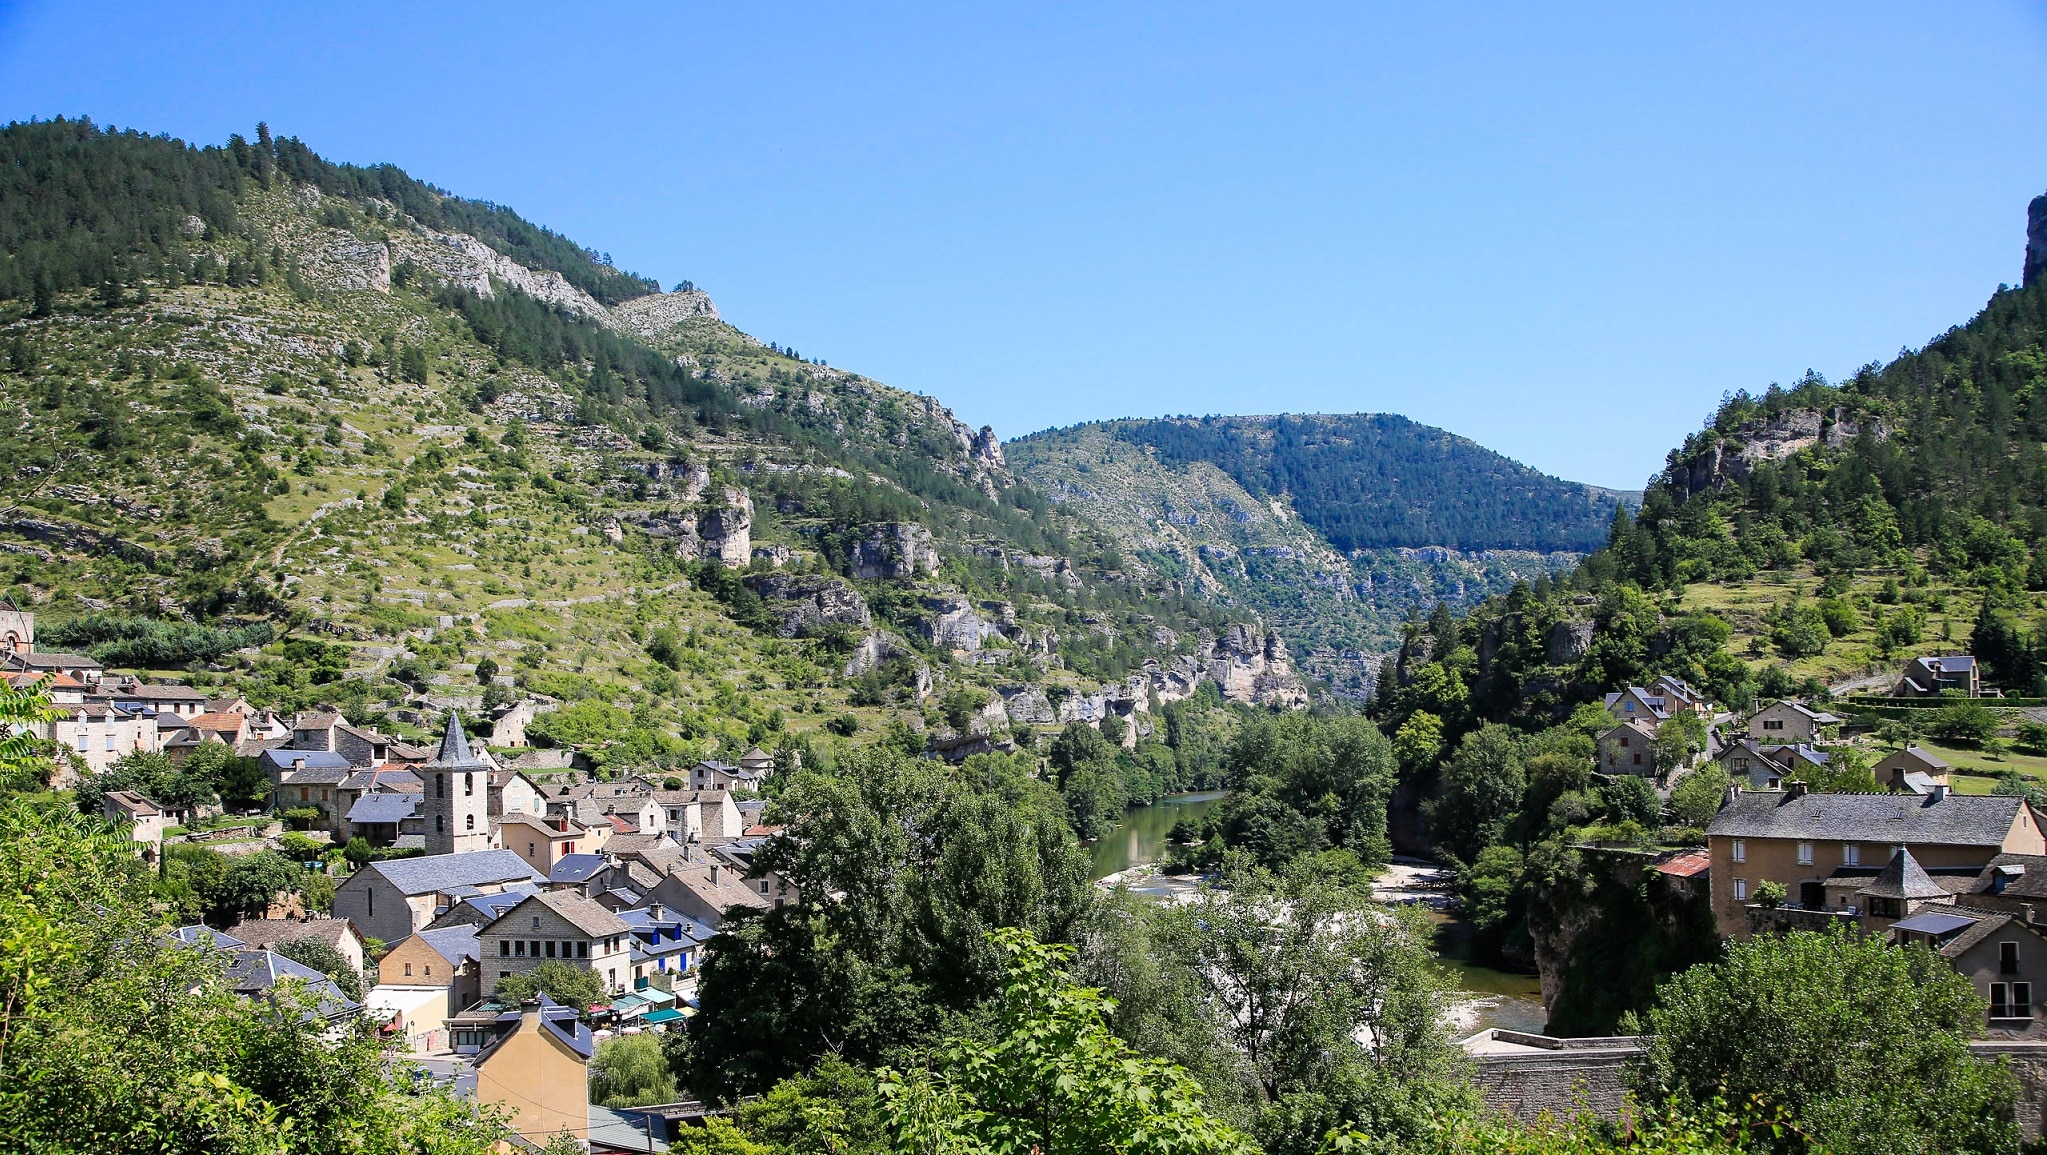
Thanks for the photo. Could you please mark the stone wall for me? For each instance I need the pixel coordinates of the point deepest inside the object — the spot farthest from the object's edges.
(1559, 1075)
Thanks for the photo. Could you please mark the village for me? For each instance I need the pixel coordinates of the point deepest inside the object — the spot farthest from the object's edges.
(475, 862)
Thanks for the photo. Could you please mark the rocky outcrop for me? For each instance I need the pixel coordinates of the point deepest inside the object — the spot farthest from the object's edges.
(1250, 664)
(879, 646)
(1568, 642)
(722, 531)
(810, 606)
(899, 550)
(1733, 456)
(651, 317)
(953, 623)
(1027, 705)
(461, 259)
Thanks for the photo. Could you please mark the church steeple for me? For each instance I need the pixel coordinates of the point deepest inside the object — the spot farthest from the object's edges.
(457, 803)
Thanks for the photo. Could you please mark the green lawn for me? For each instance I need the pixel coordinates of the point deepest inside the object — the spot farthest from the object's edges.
(1976, 772)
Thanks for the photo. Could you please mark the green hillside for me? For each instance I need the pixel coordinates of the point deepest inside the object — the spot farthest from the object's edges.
(1334, 528)
(420, 435)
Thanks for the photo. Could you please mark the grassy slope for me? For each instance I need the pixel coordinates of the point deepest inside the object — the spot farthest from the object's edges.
(474, 538)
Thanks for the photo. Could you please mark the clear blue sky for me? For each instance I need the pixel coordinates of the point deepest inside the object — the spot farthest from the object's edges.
(1561, 234)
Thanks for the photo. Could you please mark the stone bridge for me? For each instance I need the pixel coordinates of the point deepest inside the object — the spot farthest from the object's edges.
(1527, 1075)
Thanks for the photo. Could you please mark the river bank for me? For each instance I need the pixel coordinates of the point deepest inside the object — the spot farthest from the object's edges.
(1130, 853)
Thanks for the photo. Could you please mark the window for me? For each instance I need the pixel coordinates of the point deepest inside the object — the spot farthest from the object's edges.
(582, 950)
(408, 970)
(2000, 1001)
(440, 785)
(535, 952)
(439, 824)
(1638, 759)
(81, 740)
(1851, 854)
(2022, 1000)
(1773, 723)
(305, 795)
(1624, 741)
(2007, 958)
(611, 976)
(468, 784)
(369, 900)
(504, 949)
(429, 970)
(1805, 854)
(110, 740)
(519, 948)
(536, 922)
(469, 822)
(1740, 889)
(1740, 850)
(550, 948)
(529, 850)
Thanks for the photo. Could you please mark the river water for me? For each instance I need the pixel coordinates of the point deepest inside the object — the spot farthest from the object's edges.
(1491, 998)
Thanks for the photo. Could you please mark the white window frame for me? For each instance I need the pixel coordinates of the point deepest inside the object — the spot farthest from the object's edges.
(1739, 851)
(1805, 854)
(1851, 854)
(1741, 890)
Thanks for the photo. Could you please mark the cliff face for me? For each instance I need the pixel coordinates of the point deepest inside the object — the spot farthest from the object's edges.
(1607, 931)
(1734, 456)
(2036, 240)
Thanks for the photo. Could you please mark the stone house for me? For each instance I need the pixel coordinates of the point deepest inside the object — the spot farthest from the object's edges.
(1911, 770)
(2003, 956)
(1626, 749)
(706, 891)
(511, 792)
(437, 957)
(721, 776)
(560, 926)
(99, 733)
(1826, 848)
(1791, 723)
(1767, 767)
(1932, 677)
(144, 821)
(391, 899)
(335, 932)
(328, 731)
(544, 842)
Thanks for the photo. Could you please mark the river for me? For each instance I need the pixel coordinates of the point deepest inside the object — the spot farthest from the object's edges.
(1491, 998)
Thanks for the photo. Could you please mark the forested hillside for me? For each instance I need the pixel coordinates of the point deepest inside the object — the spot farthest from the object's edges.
(451, 456)
(1334, 528)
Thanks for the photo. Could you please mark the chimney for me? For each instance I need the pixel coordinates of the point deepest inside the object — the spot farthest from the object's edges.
(1733, 792)
(1938, 793)
(654, 911)
(714, 874)
(1795, 789)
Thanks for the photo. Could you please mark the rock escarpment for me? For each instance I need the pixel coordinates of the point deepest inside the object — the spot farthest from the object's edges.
(810, 606)
(899, 551)
(1733, 456)
(1251, 665)
(720, 531)
(651, 316)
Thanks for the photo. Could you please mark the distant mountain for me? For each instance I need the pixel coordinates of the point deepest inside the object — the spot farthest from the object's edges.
(1332, 526)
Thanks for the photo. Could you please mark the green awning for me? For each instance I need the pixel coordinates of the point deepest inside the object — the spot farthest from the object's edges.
(664, 1015)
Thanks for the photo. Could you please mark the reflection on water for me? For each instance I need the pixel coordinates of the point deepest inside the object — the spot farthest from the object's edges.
(1505, 999)
(1141, 837)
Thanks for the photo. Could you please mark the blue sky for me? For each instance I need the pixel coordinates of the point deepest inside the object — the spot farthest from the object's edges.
(1563, 234)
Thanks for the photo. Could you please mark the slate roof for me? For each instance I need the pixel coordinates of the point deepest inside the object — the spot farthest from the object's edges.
(1986, 925)
(392, 807)
(52, 660)
(261, 932)
(584, 914)
(2016, 875)
(385, 778)
(454, 943)
(1935, 923)
(440, 872)
(254, 972)
(280, 760)
(455, 753)
(165, 693)
(1904, 878)
(1955, 820)
(574, 868)
(199, 935)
